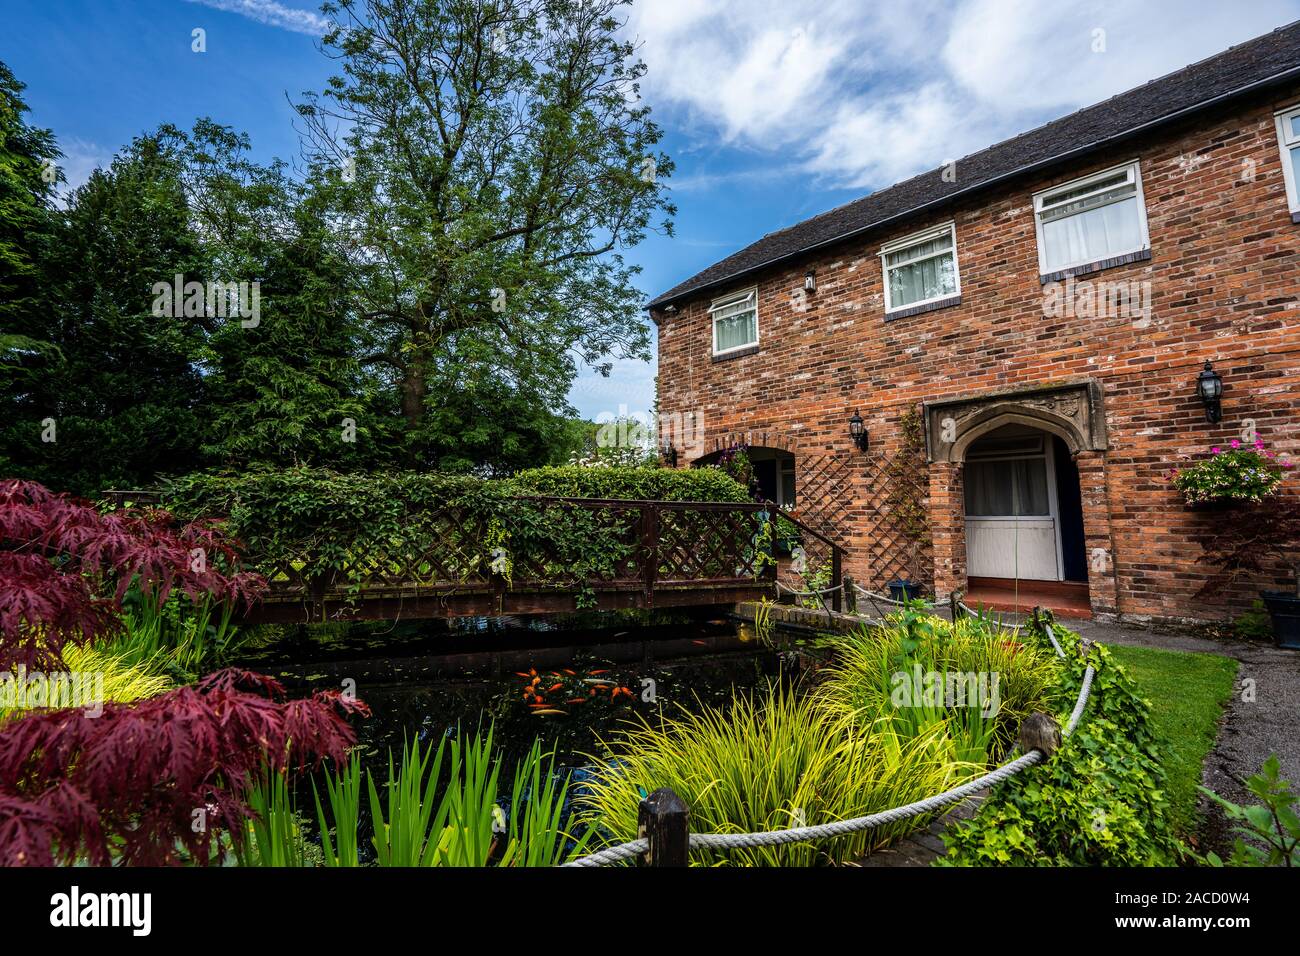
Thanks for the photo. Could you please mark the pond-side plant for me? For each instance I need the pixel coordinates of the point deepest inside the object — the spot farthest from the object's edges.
(769, 761)
(422, 817)
(1239, 473)
(970, 679)
(1271, 828)
(155, 782)
(1099, 801)
(65, 569)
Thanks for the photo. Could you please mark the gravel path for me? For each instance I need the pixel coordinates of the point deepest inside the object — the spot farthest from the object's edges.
(1263, 718)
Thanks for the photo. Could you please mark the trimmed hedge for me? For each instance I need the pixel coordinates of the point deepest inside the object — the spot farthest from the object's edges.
(349, 529)
(648, 484)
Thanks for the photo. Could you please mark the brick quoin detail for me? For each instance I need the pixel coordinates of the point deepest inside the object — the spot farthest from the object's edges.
(1224, 274)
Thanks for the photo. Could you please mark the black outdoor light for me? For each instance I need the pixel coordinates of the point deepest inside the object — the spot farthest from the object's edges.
(669, 453)
(1209, 386)
(810, 281)
(858, 431)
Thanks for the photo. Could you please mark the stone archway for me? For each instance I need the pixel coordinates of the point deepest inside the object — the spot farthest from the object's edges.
(1073, 412)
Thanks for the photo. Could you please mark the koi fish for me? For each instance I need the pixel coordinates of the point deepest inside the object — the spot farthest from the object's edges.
(554, 687)
(548, 711)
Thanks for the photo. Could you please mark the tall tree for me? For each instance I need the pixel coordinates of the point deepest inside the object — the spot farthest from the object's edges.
(284, 386)
(490, 160)
(28, 229)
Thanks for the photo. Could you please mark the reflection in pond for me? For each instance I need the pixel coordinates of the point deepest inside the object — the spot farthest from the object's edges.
(569, 681)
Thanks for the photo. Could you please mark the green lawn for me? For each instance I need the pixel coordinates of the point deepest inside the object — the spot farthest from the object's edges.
(1187, 694)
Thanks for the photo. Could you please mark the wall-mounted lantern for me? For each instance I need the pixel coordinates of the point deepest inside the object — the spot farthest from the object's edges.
(810, 282)
(1209, 387)
(858, 431)
(669, 454)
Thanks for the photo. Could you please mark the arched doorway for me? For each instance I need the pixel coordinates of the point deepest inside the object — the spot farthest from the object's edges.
(1023, 508)
(774, 472)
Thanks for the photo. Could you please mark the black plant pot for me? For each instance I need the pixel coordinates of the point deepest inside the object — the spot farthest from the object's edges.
(903, 590)
(1284, 609)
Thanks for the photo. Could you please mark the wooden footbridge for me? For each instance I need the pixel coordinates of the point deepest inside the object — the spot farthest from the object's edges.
(673, 554)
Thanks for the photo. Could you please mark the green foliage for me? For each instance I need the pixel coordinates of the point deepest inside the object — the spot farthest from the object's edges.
(1271, 828)
(421, 818)
(1254, 625)
(28, 179)
(182, 637)
(122, 678)
(1099, 801)
(876, 673)
(771, 763)
(647, 484)
(343, 529)
(121, 385)
(275, 834)
(1235, 474)
(491, 190)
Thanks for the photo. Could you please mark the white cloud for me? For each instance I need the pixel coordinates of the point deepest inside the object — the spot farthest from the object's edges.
(273, 14)
(865, 95)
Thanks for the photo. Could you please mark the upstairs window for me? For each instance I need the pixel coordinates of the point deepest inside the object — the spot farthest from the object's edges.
(1090, 220)
(735, 322)
(1288, 137)
(921, 269)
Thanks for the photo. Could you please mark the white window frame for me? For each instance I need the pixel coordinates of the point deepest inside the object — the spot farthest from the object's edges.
(1133, 168)
(916, 238)
(1286, 143)
(732, 300)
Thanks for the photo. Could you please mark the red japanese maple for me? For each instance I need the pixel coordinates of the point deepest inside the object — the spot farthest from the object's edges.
(158, 779)
(65, 567)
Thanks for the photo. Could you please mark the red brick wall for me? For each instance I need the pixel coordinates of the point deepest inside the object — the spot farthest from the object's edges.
(1225, 286)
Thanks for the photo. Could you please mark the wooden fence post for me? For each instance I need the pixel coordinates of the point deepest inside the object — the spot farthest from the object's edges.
(850, 596)
(664, 821)
(837, 575)
(650, 550)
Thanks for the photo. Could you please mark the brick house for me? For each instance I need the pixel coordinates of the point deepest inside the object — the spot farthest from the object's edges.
(1021, 333)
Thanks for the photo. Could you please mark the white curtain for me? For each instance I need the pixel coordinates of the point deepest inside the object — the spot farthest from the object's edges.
(917, 281)
(1005, 489)
(1092, 234)
(736, 330)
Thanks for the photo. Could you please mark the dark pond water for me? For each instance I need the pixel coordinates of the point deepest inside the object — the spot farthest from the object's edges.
(570, 681)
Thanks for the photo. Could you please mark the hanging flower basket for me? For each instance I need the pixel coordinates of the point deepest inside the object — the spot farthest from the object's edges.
(1230, 477)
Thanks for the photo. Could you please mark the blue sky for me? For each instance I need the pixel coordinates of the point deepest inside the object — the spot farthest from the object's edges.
(774, 110)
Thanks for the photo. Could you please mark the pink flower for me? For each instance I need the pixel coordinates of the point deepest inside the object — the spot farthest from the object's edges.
(1217, 450)
(1235, 444)
(1259, 443)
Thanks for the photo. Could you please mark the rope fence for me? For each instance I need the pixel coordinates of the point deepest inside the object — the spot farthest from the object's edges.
(1038, 739)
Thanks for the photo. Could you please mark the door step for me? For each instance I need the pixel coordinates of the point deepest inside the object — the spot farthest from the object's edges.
(1065, 599)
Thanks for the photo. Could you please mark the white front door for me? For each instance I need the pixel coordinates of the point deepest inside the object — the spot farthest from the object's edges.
(1012, 521)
